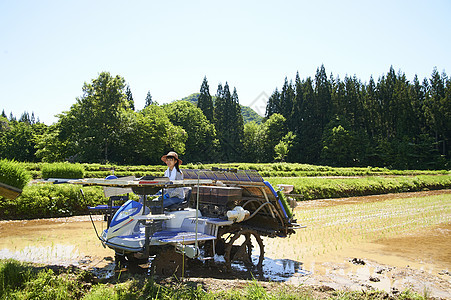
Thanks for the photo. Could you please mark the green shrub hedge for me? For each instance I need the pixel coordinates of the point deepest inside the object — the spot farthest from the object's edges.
(51, 200)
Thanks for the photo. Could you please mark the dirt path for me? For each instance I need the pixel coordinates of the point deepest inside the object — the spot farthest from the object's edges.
(388, 242)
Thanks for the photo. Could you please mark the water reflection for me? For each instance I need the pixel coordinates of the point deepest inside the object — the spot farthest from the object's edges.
(277, 269)
(63, 255)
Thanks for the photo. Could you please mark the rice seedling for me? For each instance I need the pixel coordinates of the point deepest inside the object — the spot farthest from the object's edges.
(13, 178)
(62, 170)
(331, 228)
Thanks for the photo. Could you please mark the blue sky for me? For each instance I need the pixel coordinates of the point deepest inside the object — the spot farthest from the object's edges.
(48, 49)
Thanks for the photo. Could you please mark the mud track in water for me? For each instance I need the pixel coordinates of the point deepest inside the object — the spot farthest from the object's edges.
(387, 242)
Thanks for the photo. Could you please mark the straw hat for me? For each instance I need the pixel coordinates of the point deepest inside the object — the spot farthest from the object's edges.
(172, 154)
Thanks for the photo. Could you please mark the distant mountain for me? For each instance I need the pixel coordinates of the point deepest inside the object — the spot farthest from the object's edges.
(248, 113)
(192, 98)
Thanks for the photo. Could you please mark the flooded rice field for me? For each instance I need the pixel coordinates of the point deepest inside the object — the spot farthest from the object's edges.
(387, 242)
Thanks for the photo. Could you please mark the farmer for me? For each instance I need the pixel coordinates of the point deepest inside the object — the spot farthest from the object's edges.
(173, 195)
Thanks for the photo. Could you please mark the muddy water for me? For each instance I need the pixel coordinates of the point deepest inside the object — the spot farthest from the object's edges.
(428, 244)
(388, 242)
(62, 241)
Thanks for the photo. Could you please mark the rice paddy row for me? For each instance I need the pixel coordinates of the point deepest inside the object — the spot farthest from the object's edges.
(331, 228)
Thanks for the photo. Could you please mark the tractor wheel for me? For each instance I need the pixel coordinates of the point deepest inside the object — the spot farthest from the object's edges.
(133, 262)
(239, 246)
(168, 263)
(120, 260)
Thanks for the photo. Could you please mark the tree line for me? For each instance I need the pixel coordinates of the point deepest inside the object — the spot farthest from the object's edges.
(322, 120)
(392, 122)
(103, 126)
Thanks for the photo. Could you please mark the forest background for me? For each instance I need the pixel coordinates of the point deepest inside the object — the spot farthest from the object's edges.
(391, 122)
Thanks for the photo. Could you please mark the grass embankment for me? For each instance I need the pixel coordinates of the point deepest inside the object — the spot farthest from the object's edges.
(266, 170)
(308, 188)
(23, 281)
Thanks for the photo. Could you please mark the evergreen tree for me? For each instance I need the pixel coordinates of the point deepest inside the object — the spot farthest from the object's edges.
(307, 135)
(227, 143)
(296, 121)
(392, 123)
(371, 110)
(237, 124)
(220, 119)
(417, 96)
(350, 105)
(385, 92)
(315, 115)
(286, 100)
(273, 105)
(446, 104)
(205, 102)
(337, 97)
(228, 123)
(219, 108)
(25, 118)
(129, 95)
(437, 107)
(298, 104)
(148, 100)
(405, 122)
(322, 106)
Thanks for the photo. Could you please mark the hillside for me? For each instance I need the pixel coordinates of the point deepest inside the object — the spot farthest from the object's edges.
(248, 113)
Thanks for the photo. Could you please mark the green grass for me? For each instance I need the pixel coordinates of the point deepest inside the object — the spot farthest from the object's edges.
(13, 276)
(24, 281)
(13, 174)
